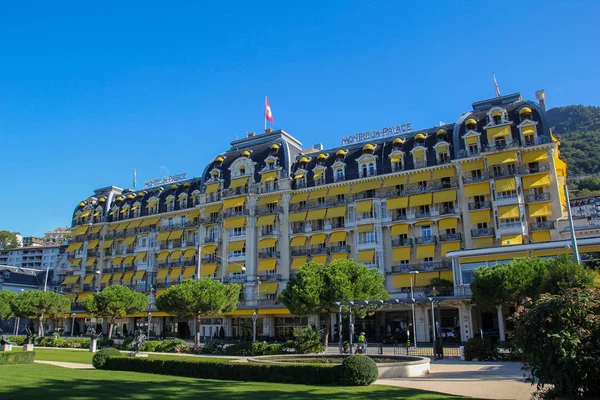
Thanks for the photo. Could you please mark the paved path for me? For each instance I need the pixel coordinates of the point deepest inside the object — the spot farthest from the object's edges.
(66, 364)
(484, 380)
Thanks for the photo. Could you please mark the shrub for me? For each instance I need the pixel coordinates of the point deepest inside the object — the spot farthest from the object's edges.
(288, 347)
(308, 374)
(103, 343)
(213, 347)
(150, 345)
(240, 349)
(126, 345)
(101, 357)
(358, 370)
(274, 348)
(172, 346)
(307, 340)
(17, 340)
(481, 349)
(24, 357)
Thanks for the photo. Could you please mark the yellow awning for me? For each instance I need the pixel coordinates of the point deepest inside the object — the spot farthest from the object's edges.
(90, 261)
(212, 187)
(477, 189)
(88, 279)
(85, 213)
(74, 246)
(364, 186)
(366, 228)
(502, 158)
(338, 190)
(123, 226)
(128, 241)
(551, 252)
(162, 256)
(236, 246)
(96, 229)
(397, 157)
(238, 182)
(534, 181)
(93, 244)
(472, 165)
(426, 250)
(528, 130)
(208, 269)
(319, 259)
(339, 256)
(401, 281)
(298, 241)
(267, 243)
(511, 211)
(237, 222)
(134, 224)
(318, 193)
(234, 202)
(366, 256)
(117, 260)
(399, 229)
(234, 268)
(80, 230)
(189, 272)
(139, 275)
(540, 209)
(150, 221)
(316, 214)
(364, 206)
(75, 262)
(162, 274)
(505, 185)
(444, 196)
(189, 253)
(160, 292)
(163, 236)
(512, 239)
(211, 209)
(297, 216)
(448, 223)
(494, 257)
(267, 264)
(420, 177)
(299, 175)
(497, 132)
(472, 140)
(420, 200)
(397, 202)
(269, 176)
(298, 197)
(335, 212)
(176, 234)
(128, 260)
(444, 173)
(174, 274)
(268, 288)
(483, 243)
(319, 238)
(339, 236)
(96, 213)
(534, 156)
(141, 256)
(401, 254)
(193, 214)
(449, 246)
(208, 249)
(297, 262)
(127, 277)
(540, 236)
(395, 181)
(268, 200)
(105, 278)
(424, 223)
(70, 280)
(84, 295)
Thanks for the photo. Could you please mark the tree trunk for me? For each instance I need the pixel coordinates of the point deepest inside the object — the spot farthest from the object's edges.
(40, 328)
(197, 336)
(327, 330)
(110, 327)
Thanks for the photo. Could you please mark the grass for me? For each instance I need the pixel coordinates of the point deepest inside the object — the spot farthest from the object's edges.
(51, 382)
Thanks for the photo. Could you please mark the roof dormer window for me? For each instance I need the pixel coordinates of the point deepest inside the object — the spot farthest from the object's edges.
(245, 153)
(397, 144)
(497, 116)
(368, 148)
(420, 139)
(303, 162)
(525, 113)
(442, 135)
(274, 148)
(471, 124)
(321, 159)
(340, 155)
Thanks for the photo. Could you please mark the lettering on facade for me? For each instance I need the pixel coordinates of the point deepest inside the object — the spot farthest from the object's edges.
(394, 130)
(162, 181)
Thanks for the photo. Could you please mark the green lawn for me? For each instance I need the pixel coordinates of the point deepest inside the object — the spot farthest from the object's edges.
(50, 382)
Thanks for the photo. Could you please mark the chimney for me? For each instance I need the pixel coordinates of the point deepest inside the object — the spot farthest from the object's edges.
(267, 130)
(318, 146)
(540, 96)
(251, 134)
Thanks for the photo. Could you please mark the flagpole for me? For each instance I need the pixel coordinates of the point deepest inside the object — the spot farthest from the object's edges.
(265, 113)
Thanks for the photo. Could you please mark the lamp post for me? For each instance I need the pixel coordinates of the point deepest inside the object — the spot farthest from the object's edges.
(412, 295)
(46, 280)
(432, 320)
(149, 319)
(73, 315)
(254, 317)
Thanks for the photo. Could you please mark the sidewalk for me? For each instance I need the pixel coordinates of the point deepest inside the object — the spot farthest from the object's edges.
(66, 364)
(484, 380)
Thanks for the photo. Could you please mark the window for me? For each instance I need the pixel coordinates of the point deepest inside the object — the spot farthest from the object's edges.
(428, 260)
(272, 207)
(341, 197)
(426, 231)
(337, 222)
(506, 222)
(237, 231)
(239, 210)
(301, 182)
(500, 142)
(446, 183)
(318, 224)
(364, 171)
(507, 195)
(473, 149)
(447, 207)
(367, 237)
(529, 140)
(479, 200)
(339, 175)
(444, 158)
(397, 166)
(476, 174)
(371, 169)
(423, 211)
(297, 227)
(183, 202)
(533, 167)
(320, 180)
(422, 185)
(401, 213)
(321, 200)
(242, 171)
(512, 169)
(497, 170)
(237, 253)
(400, 188)
(267, 230)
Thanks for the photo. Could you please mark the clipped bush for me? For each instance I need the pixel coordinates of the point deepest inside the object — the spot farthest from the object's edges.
(151, 345)
(24, 357)
(103, 343)
(172, 346)
(481, 349)
(288, 347)
(212, 347)
(17, 340)
(358, 370)
(101, 357)
(307, 340)
(239, 349)
(126, 345)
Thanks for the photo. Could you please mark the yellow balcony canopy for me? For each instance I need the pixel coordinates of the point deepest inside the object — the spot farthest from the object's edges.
(395, 181)
(141, 256)
(107, 244)
(446, 196)
(364, 186)
(299, 197)
(70, 280)
(189, 253)
(150, 221)
(268, 200)
(162, 256)
(128, 241)
(399, 229)
(318, 239)
(163, 236)
(366, 228)
(450, 246)
(420, 177)
(505, 185)
(238, 182)
(269, 176)
(477, 189)
(139, 275)
(208, 249)
(397, 203)
(318, 193)
(235, 268)
(237, 222)
(268, 288)
(162, 273)
(266, 220)
(298, 241)
(316, 214)
(176, 234)
(74, 246)
(498, 132)
(540, 209)
(297, 262)
(420, 200)
(319, 259)
(336, 237)
(88, 279)
(444, 173)
(338, 190)
(297, 216)
(236, 246)
(96, 229)
(234, 202)
(208, 269)
(425, 251)
(90, 261)
(267, 243)
(366, 256)
(509, 240)
(335, 212)
(502, 158)
(401, 254)
(213, 187)
(189, 272)
(534, 156)
(511, 211)
(472, 165)
(267, 264)
(535, 181)
(364, 206)
(448, 223)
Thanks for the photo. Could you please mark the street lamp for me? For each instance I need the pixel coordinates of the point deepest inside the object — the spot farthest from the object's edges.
(412, 295)
(432, 320)
(254, 317)
(149, 319)
(73, 315)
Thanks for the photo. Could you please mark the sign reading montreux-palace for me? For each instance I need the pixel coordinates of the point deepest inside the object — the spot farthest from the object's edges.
(394, 130)
(162, 181)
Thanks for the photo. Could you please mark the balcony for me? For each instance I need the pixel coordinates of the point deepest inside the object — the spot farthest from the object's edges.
(401, 242)
(164, 246)
(318, 250)
(450, 237)
(297, 229)
(509, 225)
(190, 243)
(480, 205)
(171, 227)
(212, 197)
(339, 249)
(469, 153)
(534, 169)
(299, 252)
(503, 172)
(231, 212)
(235, 192)
(190, 263)
(537, 140)
(211, 219)
(144, 229)
(446, 210)
(422, 214)
(532, 198)
(476, 179)
(268, 278)
(499, 147)
(269, 254)
(265, 210)
(482, 232)
(430, 266)
(399, 217)
(235, 279)
(191, 224)
(210, 260)
(129, 251)
(212, 239)
(542, 225)
(425, 240)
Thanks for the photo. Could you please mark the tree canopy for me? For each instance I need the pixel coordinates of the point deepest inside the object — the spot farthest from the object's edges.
(8, 240)
(115, 302)
(35, 304)
(202, 297)
(6, 299)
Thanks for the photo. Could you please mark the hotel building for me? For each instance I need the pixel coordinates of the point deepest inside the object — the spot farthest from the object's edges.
(441, 201)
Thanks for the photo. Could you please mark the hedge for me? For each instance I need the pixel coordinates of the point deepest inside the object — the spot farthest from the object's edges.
(24, 357)
(307, 374)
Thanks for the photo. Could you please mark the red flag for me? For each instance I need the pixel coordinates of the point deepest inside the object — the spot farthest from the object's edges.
(268, 113)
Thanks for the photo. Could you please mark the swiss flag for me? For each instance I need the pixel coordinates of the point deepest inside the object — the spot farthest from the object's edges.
(268, 113)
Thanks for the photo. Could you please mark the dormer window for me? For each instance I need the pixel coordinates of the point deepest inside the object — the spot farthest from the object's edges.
(319, 176)
(242, 171)
(471, 124)
(442, 135)
(472, 145)
(340, 155)
(136, 210)
(339, 174)
(219, 161)
(274, 148)
(300, 180)
(303, 162)
(525, 113)
(183, 201)
(443, 155)
(368, 148)
(321, 159)
(419, 158)
(397, 162)
(397, 144)
(170, 202)
(420, 139)
(245, 153)
(497, 116)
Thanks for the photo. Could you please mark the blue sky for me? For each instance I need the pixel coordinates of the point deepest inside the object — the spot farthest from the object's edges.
(88, 90)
